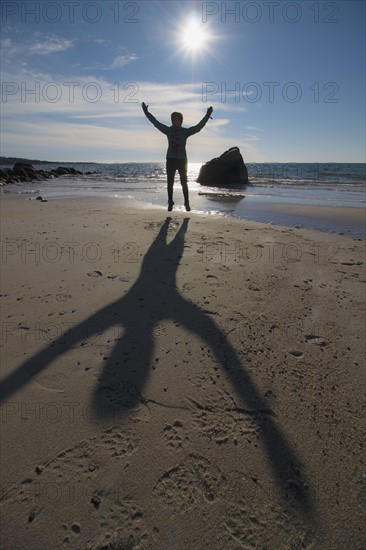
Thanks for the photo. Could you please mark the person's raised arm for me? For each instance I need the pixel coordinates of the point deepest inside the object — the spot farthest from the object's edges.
(194, 129)
(162, 127)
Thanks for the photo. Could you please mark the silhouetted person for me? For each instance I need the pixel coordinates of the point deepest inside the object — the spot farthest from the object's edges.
(176, 157)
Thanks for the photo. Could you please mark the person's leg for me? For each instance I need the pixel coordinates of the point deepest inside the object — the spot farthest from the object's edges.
(182, 169)
(170, 172)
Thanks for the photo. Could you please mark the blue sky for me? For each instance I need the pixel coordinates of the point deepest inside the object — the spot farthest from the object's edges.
(286, 79)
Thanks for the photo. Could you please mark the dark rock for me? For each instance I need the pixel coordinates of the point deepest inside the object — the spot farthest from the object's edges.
(226, 170)
(23, 167)
(12, 177)
(42, 175)
(65, 170)
(75, 172)
(23, 175)
(24, 172)
(60, 171)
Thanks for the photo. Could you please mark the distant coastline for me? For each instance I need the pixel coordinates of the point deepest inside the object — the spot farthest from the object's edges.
(13, 160)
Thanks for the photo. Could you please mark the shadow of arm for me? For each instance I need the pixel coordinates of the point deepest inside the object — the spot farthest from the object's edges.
(40, 361)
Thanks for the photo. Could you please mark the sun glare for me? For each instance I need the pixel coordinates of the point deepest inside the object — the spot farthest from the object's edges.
(194, 37)
(194, 40)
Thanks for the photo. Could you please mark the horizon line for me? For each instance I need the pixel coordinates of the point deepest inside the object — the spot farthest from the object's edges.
(23, 159)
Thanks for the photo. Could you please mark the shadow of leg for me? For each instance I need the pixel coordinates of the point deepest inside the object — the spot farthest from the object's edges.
(286, 466)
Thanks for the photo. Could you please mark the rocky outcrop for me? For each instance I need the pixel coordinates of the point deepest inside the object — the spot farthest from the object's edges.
(226, 170)
(64, 171)
(24, 172)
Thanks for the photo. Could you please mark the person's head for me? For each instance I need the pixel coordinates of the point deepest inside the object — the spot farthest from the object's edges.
(177, 119)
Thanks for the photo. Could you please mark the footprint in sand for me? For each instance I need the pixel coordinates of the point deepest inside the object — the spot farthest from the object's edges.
(121, 525)
(249, 525)
(115, 443)
(158, 330)
(175, 436)
(57, 381)
(118, 443)
(219, 418)
(195, 480)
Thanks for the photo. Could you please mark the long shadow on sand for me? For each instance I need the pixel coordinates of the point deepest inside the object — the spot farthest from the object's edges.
(154, 297)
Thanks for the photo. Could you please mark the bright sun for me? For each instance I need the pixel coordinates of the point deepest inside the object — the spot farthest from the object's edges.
(194, 36)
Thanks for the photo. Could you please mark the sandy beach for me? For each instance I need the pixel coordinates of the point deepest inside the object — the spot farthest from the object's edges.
(179, 381)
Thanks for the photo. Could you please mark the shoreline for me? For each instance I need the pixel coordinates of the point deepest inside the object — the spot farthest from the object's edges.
(342, 220)
(174, 380)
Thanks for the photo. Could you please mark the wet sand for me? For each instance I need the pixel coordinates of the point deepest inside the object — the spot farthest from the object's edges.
(179, 381)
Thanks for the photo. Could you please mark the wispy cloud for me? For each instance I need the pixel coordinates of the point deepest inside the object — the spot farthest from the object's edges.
(48, 44)
(9, 49)
(220, 122)
(122, 60)
(251, 137)
(101, 41)
(253, 128)
(38, 44)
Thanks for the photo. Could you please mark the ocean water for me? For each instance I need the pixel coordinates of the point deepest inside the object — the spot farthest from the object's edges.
(302, 184)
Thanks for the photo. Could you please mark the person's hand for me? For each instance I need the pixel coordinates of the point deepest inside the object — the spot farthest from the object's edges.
(209, 111)
(144, 107)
